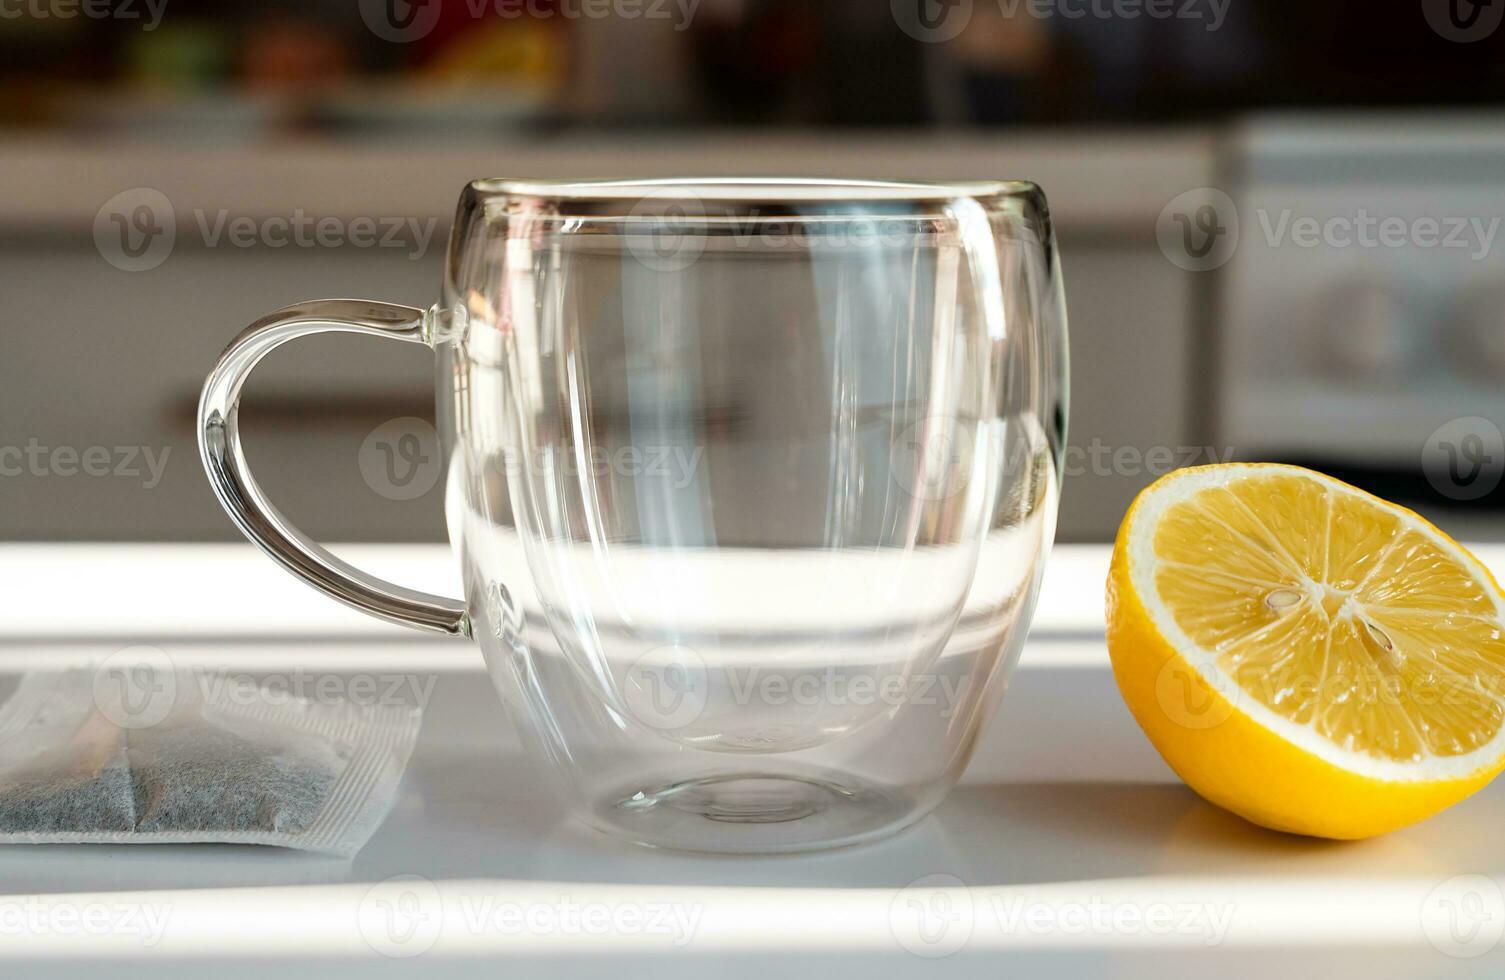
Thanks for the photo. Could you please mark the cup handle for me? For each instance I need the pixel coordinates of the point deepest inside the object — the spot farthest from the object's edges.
(229, 474)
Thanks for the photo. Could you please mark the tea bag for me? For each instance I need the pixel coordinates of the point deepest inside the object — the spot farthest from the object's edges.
(208, 778)
(227, 763)
(85, 784)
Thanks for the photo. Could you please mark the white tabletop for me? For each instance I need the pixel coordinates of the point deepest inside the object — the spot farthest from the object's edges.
(1068, 848)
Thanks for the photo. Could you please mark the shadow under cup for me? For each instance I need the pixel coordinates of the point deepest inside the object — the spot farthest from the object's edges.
(752, 483)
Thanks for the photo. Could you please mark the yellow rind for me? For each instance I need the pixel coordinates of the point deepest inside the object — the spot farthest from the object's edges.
(1239, 764)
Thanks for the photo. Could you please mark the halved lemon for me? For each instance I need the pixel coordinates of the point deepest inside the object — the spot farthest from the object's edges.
(1311, 657)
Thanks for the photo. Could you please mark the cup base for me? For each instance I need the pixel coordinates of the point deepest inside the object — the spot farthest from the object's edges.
(755, 813)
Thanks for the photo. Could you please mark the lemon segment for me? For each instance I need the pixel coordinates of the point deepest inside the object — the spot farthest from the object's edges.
(1305, 654)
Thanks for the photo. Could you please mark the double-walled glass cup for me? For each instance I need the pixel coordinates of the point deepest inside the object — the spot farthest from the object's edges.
(751, 482)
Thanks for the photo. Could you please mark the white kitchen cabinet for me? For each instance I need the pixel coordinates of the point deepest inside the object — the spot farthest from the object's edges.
(94, 356)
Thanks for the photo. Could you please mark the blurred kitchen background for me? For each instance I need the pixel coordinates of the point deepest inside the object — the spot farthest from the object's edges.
(1277, 221)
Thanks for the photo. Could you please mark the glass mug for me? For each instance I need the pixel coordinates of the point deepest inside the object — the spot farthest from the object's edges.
(751, 482)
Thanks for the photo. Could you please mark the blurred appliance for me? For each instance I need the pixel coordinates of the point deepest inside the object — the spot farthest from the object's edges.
(1364, 307)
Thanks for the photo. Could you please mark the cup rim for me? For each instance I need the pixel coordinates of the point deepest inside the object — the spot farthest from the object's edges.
(751, 189)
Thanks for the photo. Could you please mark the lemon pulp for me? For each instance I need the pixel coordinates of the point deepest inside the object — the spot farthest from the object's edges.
(1304, 654)
(1335, 615)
